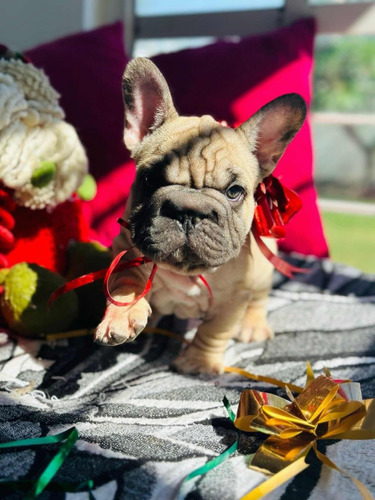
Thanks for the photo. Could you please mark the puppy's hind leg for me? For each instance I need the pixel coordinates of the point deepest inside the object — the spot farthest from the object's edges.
(205, 353)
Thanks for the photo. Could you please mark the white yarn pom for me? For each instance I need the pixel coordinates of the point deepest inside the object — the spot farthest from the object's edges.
(32, 131)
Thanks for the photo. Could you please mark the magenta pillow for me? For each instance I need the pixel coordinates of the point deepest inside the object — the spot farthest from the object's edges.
(232, 80)
(229, 80)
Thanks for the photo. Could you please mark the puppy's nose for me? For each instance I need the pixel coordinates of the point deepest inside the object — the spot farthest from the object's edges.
(187, 216)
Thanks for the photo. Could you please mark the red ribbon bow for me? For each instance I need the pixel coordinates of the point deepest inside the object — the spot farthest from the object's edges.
(276, 205)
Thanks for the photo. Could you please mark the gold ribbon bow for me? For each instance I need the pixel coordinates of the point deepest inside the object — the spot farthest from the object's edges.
(325, 409)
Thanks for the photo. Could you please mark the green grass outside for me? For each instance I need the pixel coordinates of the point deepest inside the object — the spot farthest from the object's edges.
(351, 239)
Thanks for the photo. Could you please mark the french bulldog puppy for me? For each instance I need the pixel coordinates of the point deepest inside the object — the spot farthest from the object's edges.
(190, 211)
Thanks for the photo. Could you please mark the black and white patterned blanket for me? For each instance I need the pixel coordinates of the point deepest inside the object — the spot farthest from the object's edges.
(143, 428)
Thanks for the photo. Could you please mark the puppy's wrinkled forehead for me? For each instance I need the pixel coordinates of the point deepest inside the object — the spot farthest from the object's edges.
(198, 152)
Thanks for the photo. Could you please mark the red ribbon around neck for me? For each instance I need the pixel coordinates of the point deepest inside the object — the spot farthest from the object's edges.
(115, 267)
(276, 204)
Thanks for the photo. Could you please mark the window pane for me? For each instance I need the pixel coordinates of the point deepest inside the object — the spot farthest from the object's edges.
(344, 142)
(170, 7)
(344, 74)
(344, 126)
(151, 47)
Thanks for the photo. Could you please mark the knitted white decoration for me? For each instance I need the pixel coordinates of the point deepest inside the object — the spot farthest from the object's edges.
(33, 133)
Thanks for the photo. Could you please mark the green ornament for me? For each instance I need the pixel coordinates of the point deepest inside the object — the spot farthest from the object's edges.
(24, 301)
(44, 174)
(87, 190)
(3, 274)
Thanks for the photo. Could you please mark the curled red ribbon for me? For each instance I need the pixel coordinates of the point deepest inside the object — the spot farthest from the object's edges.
(105, 273)
(132, 263)
(281, 265)
(115, 267)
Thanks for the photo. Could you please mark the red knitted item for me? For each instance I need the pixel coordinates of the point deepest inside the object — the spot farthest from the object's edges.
(41, 236)
(38, 236)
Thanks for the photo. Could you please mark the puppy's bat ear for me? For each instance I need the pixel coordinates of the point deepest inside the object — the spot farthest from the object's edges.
(147, 100)
(271, 129)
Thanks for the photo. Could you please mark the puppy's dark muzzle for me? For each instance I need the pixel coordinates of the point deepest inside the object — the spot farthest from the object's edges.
(188, 229)
(186, 215)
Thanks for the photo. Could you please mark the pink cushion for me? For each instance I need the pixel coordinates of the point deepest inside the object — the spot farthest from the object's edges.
(226, 79)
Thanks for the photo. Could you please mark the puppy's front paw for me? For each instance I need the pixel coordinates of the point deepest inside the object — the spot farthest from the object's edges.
(194, 360)
(122, 324)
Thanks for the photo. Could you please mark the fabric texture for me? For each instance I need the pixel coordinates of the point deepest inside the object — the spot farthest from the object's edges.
(230, 80)
(143, 427)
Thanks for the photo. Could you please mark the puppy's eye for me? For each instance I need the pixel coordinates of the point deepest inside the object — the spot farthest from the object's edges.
(153, 181)
(148, 181)
(235, 192)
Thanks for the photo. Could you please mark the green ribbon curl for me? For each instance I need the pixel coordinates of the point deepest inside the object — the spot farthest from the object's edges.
(70, 436)
(211, 464)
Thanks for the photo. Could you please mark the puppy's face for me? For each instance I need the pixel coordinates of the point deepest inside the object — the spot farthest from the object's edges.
(192, 199)
(193, 194)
